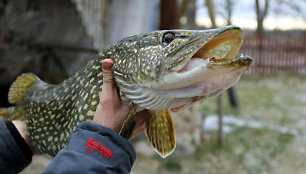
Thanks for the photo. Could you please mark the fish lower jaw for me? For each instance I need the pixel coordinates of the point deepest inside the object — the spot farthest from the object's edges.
(178, 99)
(197, 71)
(205, 89)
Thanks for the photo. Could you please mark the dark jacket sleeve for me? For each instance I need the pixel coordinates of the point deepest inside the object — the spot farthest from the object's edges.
(12, 156)
(94, 149)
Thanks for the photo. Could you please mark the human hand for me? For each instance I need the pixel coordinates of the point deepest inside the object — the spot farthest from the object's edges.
(111, 111)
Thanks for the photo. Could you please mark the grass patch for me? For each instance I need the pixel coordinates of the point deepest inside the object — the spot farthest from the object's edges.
(251, 149)
(171, 164)
(272, 99)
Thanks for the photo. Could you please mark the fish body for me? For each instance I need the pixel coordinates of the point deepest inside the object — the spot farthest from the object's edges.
(157, 71)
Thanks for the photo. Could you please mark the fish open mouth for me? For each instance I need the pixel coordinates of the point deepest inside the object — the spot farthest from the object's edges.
(220, 51)
(222, 47)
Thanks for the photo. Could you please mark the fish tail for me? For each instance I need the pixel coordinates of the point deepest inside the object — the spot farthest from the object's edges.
(20, 86)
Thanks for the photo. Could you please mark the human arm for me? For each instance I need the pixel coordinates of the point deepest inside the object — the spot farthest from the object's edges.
(93, 148)
(15, 154)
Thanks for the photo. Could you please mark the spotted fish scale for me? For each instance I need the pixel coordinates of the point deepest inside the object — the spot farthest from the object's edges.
(55, 111)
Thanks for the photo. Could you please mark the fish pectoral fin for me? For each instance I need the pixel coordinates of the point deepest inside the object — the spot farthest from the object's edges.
(20, 86)
(159, 129)
(128, 125)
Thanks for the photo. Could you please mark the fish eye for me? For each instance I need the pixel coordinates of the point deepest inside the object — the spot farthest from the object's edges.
(168, 38)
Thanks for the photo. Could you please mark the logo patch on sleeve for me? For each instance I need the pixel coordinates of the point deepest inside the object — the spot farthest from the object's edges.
(93, 145)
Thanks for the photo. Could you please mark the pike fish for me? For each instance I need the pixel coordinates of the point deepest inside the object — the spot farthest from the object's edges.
(160, 71)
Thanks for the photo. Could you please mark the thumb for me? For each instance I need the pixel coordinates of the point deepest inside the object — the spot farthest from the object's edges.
(108, 78)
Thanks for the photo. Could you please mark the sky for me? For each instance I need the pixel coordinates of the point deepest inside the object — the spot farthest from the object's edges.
(280, 15)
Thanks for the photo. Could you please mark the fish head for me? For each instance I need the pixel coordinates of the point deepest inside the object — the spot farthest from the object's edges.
(171, 69)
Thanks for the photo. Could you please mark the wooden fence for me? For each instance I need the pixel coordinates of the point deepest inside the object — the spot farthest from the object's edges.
(275, 55)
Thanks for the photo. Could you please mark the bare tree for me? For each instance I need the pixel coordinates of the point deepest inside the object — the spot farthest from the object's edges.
(261, 13)
(226, 11)
(211, 12)
(188, 9)
(229, 10)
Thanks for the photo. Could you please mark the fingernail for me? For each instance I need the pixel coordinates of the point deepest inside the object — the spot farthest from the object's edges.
(106, 66)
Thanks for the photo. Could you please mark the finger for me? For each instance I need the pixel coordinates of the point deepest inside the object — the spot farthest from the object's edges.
(141, 118)
(108, 86)
(107, 71)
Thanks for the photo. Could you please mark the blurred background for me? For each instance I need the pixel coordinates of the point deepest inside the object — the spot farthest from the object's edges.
(257, 127)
